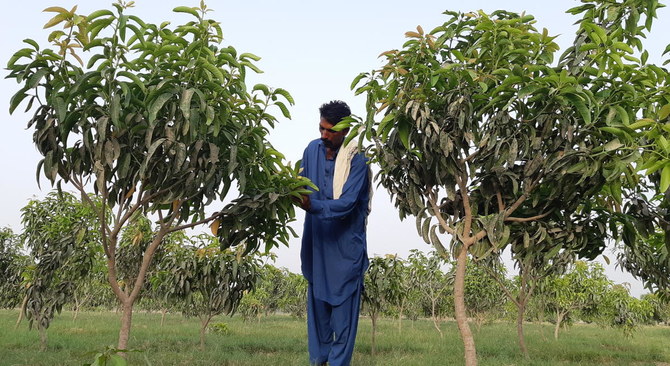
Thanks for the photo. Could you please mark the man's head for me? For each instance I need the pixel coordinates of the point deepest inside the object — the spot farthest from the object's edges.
(331, 114)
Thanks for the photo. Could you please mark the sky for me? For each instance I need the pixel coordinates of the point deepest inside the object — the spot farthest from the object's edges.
(313, 49)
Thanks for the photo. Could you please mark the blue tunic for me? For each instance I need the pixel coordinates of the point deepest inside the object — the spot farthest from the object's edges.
(334, 248)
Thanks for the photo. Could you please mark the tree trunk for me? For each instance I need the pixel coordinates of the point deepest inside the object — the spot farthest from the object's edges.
(126, 321)
(43, 335)
(436, 321)
(373, 317)
(204, 321)
(470, 352)
(559, 319)
(521, 307)
(163, 312)
(400, 319)
(22, 311)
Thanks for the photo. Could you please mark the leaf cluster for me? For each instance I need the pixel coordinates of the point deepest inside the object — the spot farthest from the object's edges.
(482, 131)
(159, 115)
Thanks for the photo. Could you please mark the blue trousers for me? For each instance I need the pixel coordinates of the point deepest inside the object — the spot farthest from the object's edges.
(331, 330)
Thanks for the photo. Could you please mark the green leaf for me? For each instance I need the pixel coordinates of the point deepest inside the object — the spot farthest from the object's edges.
(642, 123)
(149, 155)
(615, 131)
(157, 105)
(185, 102)
(32, 43)
(249, 55)
(578, 103)
(622, 46)
(134, 78)
(613, 145)
(284, 110)
(357, 79)
(56, 9)
(623, 114)
(285, 94)
(61, 108)
(24, 52)
(17, 99)
(553, 251)
(98, 14)
(665, 178)
(213, 70)
(436, 241)
(55, 20)
(403, 134)
(528, 90)
(186, 9)
(262, 87)
(664, 112)
(123, 19)
(115, 108)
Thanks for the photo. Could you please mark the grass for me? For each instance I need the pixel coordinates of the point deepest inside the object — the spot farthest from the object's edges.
(282, 340)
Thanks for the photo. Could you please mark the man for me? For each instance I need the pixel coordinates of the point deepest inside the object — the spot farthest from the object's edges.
(334, 248)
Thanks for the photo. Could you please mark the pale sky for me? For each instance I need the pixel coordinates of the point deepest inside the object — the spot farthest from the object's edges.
(313, 49)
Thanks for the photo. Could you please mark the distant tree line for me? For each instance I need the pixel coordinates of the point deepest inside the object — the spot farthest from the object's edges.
(44, 272)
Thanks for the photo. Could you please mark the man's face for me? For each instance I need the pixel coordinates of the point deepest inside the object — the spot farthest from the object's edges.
(332, 139)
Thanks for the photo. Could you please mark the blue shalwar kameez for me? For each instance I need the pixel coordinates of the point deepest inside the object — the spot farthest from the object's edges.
(334, 255)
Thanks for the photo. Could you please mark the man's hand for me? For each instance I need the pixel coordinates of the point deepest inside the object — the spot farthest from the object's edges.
(304, 202)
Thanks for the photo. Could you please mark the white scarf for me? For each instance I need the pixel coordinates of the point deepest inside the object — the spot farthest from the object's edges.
(343, 167)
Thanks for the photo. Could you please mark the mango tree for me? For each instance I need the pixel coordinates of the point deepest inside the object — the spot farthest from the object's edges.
(92, 289)
(206, 281)
(481, 129)
(545, 252)
(620, 310)
(644, 220)
(159, 121)
(431, 282)
(12, 264)
(583, 287)
(484, 297)
(270, 289)
(295, 296)
(660, 308)
(382, 288)
(407, 303)
(61, 234)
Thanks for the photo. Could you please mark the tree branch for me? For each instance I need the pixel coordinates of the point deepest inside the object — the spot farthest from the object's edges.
(78, 183)
(194, 224)
(501, 204)
(502, 285)
(432, 197)
(465, 196)
(526, 219)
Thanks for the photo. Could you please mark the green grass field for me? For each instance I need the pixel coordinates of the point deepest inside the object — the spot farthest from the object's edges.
(282, 340)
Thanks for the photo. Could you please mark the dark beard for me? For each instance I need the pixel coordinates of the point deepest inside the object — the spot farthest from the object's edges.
(327, 143)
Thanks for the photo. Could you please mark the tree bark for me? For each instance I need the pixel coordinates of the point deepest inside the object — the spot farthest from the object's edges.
(43, 335)
(559, 319)
(521, 307)
(77, 305)
(204, 321)
(400, 319)
(436, 321)
(164, 311)
(126, 322)
(470, 352)
(22, 311)
(524, 294)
